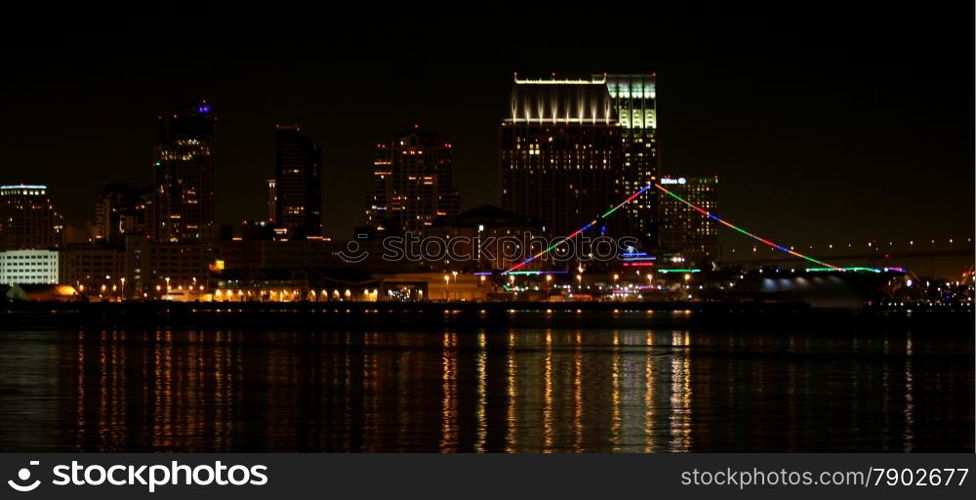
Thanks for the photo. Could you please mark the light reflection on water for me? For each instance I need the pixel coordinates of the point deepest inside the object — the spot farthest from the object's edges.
(520, 390)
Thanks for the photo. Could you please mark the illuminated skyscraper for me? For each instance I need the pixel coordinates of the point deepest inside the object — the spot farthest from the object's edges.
(28, 218)
(298, 183)
(413, 183)
(185, 176)
(560, 152)
(686, 231)
(635, 100)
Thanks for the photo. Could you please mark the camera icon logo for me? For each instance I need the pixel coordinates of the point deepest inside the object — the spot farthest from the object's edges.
(24, 475)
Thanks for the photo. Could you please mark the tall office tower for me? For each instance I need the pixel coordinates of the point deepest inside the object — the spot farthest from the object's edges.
(413, 183)
(683, 230)
(272, 201)
(560, 153)
(635, 100)
(184, 176)
(28, 218)
(298, 183)
(119, 211)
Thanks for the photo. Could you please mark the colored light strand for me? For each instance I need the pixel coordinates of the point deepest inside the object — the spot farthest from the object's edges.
(577, 232)
(764, 241)
(698, 209)
(857, 269)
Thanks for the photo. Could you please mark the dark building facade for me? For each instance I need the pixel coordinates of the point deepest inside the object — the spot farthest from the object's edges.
(28, 218)
(121, 210)
(413, 183)
(491, 238)
(560, 152)
(685, 231)
(297, 189)
(184, 176)
(271, 186)
(92, 268)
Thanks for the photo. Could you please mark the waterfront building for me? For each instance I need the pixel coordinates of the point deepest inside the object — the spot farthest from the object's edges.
(685, 231)
(28, 218)
(29, 267)
(91, 268)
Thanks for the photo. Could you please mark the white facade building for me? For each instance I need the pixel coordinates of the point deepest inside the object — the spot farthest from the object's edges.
(29, 267)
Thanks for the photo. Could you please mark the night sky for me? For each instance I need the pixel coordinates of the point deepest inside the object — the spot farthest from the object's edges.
(824, 124)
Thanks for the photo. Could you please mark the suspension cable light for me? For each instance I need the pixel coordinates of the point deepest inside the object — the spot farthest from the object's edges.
(578, 231)
(766, 242)
(698, 209)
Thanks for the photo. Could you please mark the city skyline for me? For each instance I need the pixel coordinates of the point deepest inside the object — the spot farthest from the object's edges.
(529, 228)
(766, 121)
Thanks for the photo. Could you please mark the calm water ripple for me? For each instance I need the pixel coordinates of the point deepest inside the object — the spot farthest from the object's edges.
(484, 389)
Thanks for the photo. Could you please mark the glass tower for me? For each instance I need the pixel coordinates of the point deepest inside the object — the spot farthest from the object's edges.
(184, 176)
(634, 98)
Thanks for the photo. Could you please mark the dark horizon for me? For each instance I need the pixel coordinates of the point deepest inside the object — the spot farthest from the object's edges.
(823, 127)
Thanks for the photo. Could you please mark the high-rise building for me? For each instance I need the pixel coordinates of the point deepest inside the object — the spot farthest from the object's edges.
(298, 183)
(413, 183)
(560, 152)
(28, 218)
(184, 176)
(635, 99)
(685, 231)
(272, 201)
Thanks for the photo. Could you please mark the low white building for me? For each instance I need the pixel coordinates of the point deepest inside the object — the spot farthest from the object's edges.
(29, 267)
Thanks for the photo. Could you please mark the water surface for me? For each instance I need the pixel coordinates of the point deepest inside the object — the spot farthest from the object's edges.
(610, 386)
